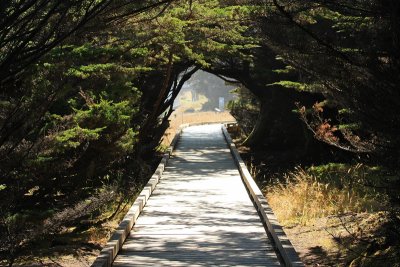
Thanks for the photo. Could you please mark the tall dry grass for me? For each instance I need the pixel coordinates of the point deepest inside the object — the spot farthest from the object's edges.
(304, 196)
(179, 118)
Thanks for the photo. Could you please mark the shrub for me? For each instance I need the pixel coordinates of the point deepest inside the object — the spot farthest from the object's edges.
(332, 189)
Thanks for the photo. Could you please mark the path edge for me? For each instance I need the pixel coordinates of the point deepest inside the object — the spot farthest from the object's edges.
(117, 239)
(282, 242)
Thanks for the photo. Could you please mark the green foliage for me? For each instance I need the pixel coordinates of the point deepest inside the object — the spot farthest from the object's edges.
(289, 84)
(198, 32)
(72, 138)
(245, 108)
(245, 100)
(341, 174)
(349, 126)
(106, 112)
(286, 70)
(79, 109)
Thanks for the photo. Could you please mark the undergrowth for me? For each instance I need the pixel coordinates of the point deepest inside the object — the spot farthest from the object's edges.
(358, 197)
(85, 226)
(306, 194)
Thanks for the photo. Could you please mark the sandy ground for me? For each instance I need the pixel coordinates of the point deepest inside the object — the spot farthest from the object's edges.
(321, 243)
(316, 247)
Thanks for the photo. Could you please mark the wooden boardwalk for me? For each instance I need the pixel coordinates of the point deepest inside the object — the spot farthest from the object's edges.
(200, 213)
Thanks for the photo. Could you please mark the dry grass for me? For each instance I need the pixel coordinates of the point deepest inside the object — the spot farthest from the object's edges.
(303, 197)
(179, 118)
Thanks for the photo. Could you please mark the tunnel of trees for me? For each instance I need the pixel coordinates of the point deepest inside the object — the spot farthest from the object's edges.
(85, 86)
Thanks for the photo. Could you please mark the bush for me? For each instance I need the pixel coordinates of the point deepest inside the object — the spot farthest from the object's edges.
(321, 191)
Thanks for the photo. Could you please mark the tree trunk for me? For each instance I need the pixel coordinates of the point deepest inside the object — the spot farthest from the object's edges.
(278, 126)
(260, 128)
